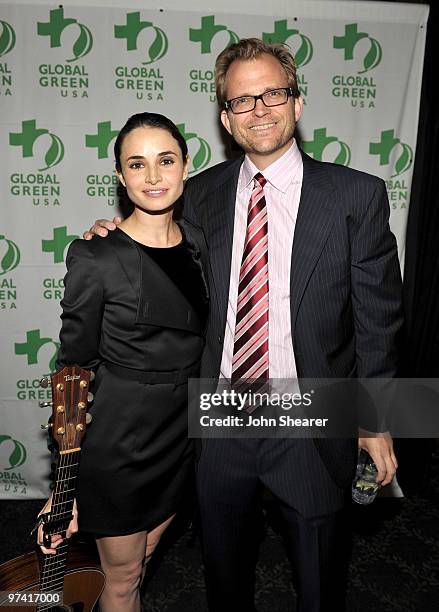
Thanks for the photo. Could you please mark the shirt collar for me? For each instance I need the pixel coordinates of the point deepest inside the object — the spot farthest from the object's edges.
(280, 174)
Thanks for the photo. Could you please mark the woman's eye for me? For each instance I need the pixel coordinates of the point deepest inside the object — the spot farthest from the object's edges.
(136, 165)
(166, 161)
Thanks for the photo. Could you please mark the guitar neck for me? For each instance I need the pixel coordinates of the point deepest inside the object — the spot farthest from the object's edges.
(54, 566)
(70, 394)
(64, 489)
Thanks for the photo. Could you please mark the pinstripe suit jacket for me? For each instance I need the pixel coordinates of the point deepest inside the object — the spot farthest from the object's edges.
(345, 278)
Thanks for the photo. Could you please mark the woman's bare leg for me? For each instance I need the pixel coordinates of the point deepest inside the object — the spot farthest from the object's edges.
(122, 560)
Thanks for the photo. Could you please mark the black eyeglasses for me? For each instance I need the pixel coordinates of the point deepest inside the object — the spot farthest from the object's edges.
(274, 97)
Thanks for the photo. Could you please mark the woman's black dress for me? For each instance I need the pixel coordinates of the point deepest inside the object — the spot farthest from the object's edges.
(136, 458)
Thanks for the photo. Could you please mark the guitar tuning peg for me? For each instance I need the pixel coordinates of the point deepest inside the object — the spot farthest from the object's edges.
(45, 382)
(45, 404)
(92, 375)
(90, 397)
(46, 425)
(88, 418)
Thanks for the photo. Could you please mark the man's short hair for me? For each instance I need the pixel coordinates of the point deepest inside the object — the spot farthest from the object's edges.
(248, 49)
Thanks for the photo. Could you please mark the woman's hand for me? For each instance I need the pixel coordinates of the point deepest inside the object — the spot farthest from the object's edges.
(56, 539)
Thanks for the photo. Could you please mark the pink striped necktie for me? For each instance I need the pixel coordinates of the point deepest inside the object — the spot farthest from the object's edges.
(250, 352)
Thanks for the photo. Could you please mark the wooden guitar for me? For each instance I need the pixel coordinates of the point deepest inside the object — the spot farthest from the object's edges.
(34, 579)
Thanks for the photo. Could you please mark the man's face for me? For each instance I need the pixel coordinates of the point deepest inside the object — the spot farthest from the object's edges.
(264, 133)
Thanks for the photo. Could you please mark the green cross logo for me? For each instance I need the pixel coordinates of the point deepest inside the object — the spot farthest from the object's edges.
(9, 255)
(131, 31)
(56, 26)
(384, 148)
(102, 139)
(317, 146)
(350, 39)
(26, 140)
(282, 33)
(203, 154)
(32, 346)
(207, 33)
(7, 38)
(58, 244)
(18, 452)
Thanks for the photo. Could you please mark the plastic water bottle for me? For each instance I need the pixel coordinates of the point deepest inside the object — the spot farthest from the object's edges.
(364, 486)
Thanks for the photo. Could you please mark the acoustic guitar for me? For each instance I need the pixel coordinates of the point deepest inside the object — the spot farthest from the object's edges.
(73, 575)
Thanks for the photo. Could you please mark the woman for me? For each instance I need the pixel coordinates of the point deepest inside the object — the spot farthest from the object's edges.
(134, 310)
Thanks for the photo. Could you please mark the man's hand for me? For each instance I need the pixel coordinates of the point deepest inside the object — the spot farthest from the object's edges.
(380, 448)
(101, 227)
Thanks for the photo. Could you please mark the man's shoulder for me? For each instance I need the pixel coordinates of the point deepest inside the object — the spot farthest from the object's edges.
(344, 173)
(215, 175)
(340, 175)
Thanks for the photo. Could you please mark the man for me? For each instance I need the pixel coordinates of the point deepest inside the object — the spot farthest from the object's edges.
(329, 295)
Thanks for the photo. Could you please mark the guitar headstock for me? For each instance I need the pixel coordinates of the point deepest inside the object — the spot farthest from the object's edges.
(70, 395)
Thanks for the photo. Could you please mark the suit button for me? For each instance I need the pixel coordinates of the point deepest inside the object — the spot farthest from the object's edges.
(220, 340)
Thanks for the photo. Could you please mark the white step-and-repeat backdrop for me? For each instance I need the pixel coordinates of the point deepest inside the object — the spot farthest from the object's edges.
(70, 75)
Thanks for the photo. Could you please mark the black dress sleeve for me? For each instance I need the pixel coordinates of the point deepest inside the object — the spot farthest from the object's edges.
(82, 308)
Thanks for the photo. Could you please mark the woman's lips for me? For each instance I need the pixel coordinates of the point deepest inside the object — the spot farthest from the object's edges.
(154, 193)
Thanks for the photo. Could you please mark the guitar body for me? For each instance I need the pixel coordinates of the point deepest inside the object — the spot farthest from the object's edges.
(83, 580)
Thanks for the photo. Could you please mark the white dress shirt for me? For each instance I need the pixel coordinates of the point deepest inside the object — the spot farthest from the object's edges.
(282, 197)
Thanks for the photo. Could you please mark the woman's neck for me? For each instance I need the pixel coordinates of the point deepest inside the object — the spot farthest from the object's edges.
(152, 230)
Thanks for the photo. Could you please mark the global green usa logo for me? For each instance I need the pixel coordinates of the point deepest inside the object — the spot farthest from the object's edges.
(200, 148)
(9, 255)
(348, 43)
(339, 151)
(31, 348)
(131, 30)
(55, 27)
(282, 33)
(102, 139)
(7, 38)
(391, 150)
(207, 32)
(29, 135)
(102, 185)
(58, 244)
(16, 452)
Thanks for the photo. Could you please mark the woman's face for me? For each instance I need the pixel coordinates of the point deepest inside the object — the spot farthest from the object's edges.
(152, 168)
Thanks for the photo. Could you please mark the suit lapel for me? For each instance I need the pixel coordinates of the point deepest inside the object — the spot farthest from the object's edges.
(220, 224)
(128, 257)
(314, 220)
(159, 301)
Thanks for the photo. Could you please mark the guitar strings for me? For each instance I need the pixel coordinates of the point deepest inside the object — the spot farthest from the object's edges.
(52, 577)
(53, 571)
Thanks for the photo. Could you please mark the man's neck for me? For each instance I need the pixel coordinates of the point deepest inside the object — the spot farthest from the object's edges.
(262, 162)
